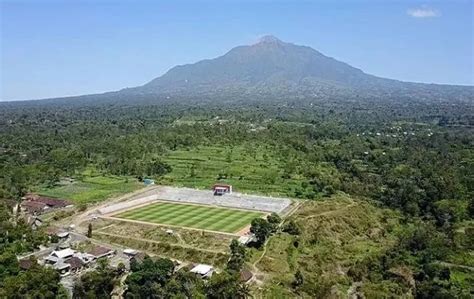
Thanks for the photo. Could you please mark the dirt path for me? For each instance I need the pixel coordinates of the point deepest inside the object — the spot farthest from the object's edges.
(259, 275)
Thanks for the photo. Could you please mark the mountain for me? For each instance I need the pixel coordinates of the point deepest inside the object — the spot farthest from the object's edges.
(270, 62)
(275, 70)
(274, 67)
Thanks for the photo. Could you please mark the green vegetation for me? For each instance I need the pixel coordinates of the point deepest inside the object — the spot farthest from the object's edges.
(194, 216)
(251, 167)
(97, 284)
(387, 183)
(17, 237)
(346, 243)
(90, 189)
(185, 237)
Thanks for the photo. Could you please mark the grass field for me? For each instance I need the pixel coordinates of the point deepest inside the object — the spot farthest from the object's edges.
(92, 189)
(192, 216)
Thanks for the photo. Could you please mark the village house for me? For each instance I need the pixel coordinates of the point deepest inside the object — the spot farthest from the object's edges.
(246, 276)
(58, 256)
(204, 271)
(62, 267)
(247, 239)
(130, 252)
(75, 263)
(99, 252)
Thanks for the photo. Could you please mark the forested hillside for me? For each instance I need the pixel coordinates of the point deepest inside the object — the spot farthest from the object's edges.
(412, 159)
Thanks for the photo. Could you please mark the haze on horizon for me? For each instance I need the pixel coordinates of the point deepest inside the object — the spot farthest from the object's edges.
(53, 48)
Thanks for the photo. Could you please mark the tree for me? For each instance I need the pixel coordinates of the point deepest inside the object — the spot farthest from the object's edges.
(274, 220)
(96, 284)
(261, 228)
(8, 265)
(226, 285)
(89, 230)
(149, 277)
(237, 256)
(292, 228)
(36, 282)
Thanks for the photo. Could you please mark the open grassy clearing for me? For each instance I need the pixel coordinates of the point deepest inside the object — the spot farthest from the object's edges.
(92, 189)
(183, 244)
(253, 168)
(192, 216)
(197, 239)
(164, 249)
(336, 234)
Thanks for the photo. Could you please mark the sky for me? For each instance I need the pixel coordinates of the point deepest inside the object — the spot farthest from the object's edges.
(58, 48)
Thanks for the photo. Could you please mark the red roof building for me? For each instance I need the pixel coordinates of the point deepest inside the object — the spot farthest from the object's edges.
(220, 189)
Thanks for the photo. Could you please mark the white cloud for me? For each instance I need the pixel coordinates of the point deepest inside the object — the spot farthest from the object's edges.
(423, 12)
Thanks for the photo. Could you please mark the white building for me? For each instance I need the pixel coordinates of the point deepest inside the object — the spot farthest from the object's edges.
(205, 271)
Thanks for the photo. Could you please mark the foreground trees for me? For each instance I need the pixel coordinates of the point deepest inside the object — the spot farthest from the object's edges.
(97, 284)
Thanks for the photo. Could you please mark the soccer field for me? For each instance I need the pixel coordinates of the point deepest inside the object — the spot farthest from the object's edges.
(192, 216)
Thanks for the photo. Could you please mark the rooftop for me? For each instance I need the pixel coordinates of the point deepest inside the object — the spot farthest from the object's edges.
(201, 269)
(63, 253)
(75, 262)
(99, 251)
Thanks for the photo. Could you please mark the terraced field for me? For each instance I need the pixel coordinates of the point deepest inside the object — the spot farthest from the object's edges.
(192, 216)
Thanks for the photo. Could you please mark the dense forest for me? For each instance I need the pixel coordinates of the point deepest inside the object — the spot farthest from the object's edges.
(411, 156)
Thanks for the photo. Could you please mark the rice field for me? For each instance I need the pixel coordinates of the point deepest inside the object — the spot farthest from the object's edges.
(192, 216)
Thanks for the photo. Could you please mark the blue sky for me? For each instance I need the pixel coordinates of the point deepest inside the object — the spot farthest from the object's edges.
(59, 48)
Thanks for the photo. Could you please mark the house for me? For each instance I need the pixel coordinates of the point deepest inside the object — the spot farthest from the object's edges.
(62, 268)
(130, 252)
(221, 189)
(75, 263)
(84, 257)
(245, 276)
(63, 235)
(98, 252)
(63, 254)
(204, 271)
(51, 260)
(247, 239)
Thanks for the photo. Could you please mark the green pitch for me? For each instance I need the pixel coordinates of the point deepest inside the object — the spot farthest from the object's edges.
(193, 216)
